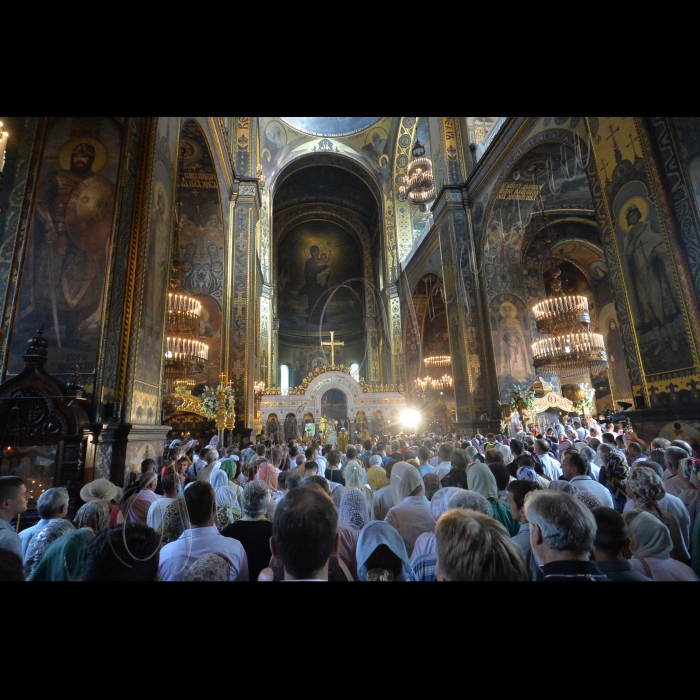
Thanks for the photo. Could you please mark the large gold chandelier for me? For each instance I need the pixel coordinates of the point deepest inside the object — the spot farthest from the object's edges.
(435, 383)
(567, 346)
(419, 185)
(186, 356)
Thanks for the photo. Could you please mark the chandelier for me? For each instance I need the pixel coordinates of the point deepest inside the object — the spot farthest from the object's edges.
(429, 384)
(437, 361)
(567, 347)
(419, 185)
(186, 357)
(4, 138)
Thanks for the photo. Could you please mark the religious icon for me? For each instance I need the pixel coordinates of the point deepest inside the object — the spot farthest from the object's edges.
(317, 274)
(75, 208)
(514, 359)
(650, 274)
(290, 427)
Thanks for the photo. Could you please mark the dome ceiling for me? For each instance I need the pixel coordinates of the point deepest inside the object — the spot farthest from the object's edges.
(330, 126)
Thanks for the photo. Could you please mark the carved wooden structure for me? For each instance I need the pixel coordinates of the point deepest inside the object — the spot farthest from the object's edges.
(42, 421)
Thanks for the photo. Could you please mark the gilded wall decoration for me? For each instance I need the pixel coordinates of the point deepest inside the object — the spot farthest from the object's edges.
(153, 305)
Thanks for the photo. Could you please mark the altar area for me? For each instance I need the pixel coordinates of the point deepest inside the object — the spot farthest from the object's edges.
(359, 408)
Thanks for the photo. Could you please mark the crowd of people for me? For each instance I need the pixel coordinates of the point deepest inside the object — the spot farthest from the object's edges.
(589, 503)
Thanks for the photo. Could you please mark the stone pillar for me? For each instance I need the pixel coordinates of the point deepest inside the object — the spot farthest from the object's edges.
(467, 321)
(242, 318)
(353, 436)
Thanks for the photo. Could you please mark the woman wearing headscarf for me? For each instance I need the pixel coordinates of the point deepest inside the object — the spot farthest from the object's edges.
(426, 543)
(337, 495)
(211, 568)
(269, 475)
(229, 508)
(411, 514)
(94, 516)
(381, 554)
(42, 541)
(254, 530)
(356, 478)
(103, 490)
(175, 522)
(651, 546)
(64, 559)
(646, 489)
(613, 474)
(481, 479)
(565, 445)
(142, 497)
(376, 476)
(590, 500)
(353, 509)
(432, 484)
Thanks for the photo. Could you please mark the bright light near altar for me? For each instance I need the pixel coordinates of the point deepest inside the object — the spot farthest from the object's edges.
(411, 419)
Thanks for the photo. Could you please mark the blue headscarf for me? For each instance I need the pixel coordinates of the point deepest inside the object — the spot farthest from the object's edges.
(374, 535)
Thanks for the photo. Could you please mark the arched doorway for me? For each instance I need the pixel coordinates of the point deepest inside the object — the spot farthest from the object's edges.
(334, 407)
(273, 427)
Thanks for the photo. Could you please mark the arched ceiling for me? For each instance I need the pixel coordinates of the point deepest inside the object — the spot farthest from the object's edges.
(329, 185)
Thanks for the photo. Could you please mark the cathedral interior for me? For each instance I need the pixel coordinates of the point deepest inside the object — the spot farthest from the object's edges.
(271, 277)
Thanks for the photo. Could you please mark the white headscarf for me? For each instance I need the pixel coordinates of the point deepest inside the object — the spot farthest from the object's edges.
(481, 479)
(650, 538)
(405, 479)
(507, 454)
(355, 476)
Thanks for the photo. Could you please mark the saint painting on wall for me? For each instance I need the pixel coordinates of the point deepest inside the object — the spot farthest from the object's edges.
(649, 276)
(512, 342)
(63, 284)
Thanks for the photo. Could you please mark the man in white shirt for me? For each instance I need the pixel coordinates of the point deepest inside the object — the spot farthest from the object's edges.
(635, 455)
(444, 466)
(581, 432)
(588, 453)
(672, 482)
(594, 443)
(321, 460)
(577, 471)
(171, 486)
(203, 538)
(552, 470)
(52, 505)
(517, 492)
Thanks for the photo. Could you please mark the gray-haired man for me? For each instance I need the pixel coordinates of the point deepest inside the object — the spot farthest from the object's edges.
(52, 505)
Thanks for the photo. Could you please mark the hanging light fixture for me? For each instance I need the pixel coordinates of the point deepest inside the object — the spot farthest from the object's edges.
(4, 138)
(186, 357)
(419, 185)
(567, 346)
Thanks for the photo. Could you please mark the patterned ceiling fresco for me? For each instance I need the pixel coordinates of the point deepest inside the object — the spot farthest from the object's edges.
(330, 126)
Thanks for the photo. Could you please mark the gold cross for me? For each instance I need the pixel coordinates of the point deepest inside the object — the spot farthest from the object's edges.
(333, 345)
(239, 303)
